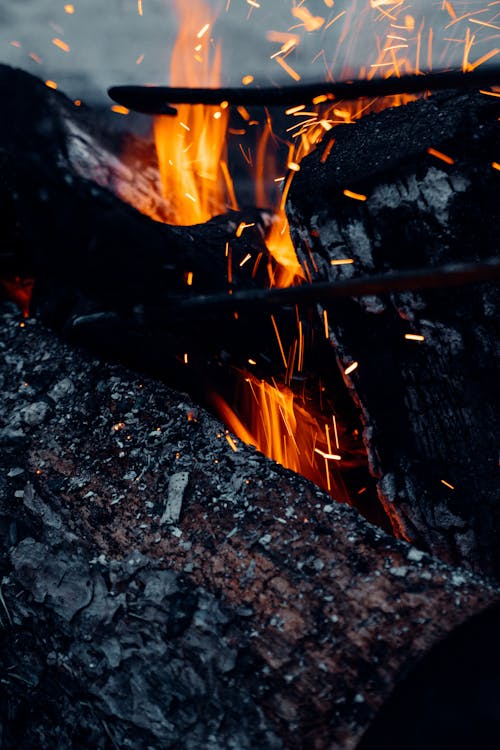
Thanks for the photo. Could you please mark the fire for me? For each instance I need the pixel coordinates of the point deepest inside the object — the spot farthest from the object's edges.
(271, 417)
(19, 290)
(191, 148)
(196, 181)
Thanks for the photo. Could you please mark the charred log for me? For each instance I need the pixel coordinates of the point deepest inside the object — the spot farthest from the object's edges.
(421, 191)
(102, 270)
(160, 589)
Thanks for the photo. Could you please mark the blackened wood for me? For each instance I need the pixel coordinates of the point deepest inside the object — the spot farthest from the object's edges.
(266, 617)
(101, 268)
(442, 277)
(156, 99)
(429, 407)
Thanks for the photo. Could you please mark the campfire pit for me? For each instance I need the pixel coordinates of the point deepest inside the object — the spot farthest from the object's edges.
(166, 585)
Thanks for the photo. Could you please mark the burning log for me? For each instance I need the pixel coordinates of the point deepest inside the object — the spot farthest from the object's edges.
(164, 585)
(415, 187)
(105, 273)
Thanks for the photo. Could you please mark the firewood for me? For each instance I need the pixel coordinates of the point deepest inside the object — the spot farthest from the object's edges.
(265, 616)
(416, 187)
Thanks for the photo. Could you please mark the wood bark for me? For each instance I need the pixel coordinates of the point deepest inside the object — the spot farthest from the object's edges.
(430, 186)
(264, 616)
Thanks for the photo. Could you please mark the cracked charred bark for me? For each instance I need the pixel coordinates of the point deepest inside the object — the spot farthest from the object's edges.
(264, 617)
(429, 407)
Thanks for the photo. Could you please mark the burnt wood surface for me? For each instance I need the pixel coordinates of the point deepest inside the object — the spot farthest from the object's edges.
(430, 408)
(103, 270)
(111, 278)
(160, 589)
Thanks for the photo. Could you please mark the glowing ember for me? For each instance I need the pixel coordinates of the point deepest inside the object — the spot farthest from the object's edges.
(20, 291)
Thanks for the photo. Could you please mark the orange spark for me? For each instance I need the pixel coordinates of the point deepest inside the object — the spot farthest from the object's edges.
(286, 67)
(414, 337)
(441, 156)
(51, 84)
(447, 484)
(62, 45)
(119, 109)
(353, 366)
(355, 196)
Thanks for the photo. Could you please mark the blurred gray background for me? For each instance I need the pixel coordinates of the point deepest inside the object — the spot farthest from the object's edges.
(107, 38)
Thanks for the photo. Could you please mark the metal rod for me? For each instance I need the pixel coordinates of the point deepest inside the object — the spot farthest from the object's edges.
(156, 99)
(440, 277)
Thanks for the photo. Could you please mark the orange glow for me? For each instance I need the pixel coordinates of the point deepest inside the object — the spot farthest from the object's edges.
(271, 418)
(441, 156)
(69, 9)
(20, 291)
(355, 196)
(119, 109)
(190, 154)
(51, 84)
(62, 45)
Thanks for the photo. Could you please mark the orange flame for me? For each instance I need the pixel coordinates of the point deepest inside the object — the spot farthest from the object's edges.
(271, 418)
(191, 147)
(20, 291)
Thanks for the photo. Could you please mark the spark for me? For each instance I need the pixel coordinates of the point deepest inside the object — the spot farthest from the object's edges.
(293, 110)
(414, 337)
(342, 262)
(253, 3)
(294, 166)
(245, 260)
(288, 69)
(189, 278)
(190, 197)
(252, 362)
(328, 456)
(489, 93)
(337, 445)
(186, 358)
(51, 84)
(326, 152)
(35, 58)
(232, 443)
(118, 426)
(334, 20)
(353, 366)
(241, 228)
(119, 109)
(355, 196)
(311, 23)
(139, 60)
(484, 23)
(62, 45)
(203, 31)
(69, 9)
(282, 351)
(495, 165)
(447, 484)
(139, 7)
(441, 156)
(15, 44)
(247, 80)
(325, 321)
